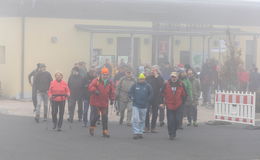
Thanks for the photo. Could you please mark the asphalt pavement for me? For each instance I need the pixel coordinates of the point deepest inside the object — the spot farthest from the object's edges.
(23, 139)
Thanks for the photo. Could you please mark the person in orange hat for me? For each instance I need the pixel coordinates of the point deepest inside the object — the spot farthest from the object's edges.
(102, 91)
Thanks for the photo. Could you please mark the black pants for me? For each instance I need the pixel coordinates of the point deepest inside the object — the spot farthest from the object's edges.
(192, 113)
(161, 114)
(72, 106)
(94, 116)
(181, 112)
(153, 110)
(172, 121)
(58, 107)
(34, 96)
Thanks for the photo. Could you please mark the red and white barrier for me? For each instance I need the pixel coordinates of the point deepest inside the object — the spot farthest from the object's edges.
(237, 107)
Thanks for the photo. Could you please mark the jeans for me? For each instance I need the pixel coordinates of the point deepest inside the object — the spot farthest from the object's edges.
(192, 113)
(85, 111)
(94, 116)
(153, 110)
(138, 120)
(58, 107)
(72, 106)
(123, 106)
(42, 97)
(172, 121)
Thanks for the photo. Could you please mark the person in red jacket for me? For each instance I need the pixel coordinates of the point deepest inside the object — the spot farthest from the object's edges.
(173, 95)
(102, 90)
(58, 93)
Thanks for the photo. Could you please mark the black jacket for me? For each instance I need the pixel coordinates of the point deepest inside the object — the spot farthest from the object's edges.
(76, 86)
(42, 81)
(156, 84)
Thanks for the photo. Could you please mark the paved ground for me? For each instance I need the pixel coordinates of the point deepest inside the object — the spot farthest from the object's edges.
(23, 139)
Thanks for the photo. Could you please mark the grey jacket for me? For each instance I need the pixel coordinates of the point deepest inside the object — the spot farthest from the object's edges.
(123, 88)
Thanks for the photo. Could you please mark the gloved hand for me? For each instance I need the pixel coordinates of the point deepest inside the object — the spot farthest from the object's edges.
(111, 103)
(97, 92)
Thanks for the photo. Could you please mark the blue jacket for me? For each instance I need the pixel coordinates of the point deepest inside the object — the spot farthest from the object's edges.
(141, 94)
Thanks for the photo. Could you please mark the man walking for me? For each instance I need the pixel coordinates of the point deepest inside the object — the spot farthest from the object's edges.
(156, 82)
(192, 109)
(31, 78)
(173, 94)
(141, 94)
(122, 89)
(42, 84)
(102, 90)
(76, 86)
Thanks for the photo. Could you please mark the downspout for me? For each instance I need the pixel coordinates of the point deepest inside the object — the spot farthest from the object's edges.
(22, 56)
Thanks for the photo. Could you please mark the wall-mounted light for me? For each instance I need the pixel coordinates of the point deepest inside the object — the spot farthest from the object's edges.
(54, 39)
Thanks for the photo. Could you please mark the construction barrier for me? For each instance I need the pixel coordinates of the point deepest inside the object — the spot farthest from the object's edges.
(237, 107)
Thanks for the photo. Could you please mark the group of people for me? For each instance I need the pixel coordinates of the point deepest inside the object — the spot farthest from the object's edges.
(144, 94)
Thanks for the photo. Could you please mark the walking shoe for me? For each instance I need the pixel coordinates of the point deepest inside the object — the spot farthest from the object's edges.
(98, 122)
(59, 129)
(37, 119)
(91, 131)
(195, 124)
(54, 126)
(171, 137)
(121, 121)
(189, 124)
(129, 124)
(146, 130)
(154, 131)
(161, 124)
(140, 136)
(106, 134)
(136, 136)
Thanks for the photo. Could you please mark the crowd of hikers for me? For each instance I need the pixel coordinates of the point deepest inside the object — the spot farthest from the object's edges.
(140, 96)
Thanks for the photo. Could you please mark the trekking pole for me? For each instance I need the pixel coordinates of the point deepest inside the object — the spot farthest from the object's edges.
(49, 108)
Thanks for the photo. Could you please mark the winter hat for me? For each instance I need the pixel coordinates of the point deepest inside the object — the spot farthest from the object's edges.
(75, 69)
(141, 76)
(104, 70)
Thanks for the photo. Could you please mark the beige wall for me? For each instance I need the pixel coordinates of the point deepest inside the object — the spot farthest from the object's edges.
(10, 37)
(71, 46)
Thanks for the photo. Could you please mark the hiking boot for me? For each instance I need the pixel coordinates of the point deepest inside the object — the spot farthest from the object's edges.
(91, 131)
(195, 124)
(161, 124)
(106, 134)
(136, 136)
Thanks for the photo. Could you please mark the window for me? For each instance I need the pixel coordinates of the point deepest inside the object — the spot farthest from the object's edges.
(2, 54)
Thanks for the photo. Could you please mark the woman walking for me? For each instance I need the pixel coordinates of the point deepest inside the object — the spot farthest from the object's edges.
(58, 94)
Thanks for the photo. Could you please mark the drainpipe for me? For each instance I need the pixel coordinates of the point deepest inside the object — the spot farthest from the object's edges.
(22, 56)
